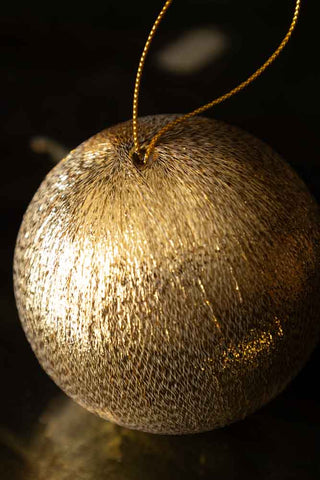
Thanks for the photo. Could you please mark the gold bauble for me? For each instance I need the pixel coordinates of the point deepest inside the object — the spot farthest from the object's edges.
(178, 297)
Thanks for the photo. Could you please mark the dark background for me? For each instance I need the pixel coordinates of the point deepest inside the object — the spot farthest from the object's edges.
(68, 71)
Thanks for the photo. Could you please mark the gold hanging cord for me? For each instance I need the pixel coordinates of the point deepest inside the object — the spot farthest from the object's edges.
(199, 110)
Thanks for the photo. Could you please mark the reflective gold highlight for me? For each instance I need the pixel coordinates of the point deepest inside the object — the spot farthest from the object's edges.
(177, 298)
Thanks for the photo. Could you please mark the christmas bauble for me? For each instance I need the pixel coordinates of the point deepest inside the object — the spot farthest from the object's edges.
(178, 297)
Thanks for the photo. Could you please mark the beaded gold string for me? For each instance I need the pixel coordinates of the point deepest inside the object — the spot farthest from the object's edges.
(144, 155)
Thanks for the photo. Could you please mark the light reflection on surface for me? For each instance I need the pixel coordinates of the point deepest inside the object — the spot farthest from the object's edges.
(70, 443)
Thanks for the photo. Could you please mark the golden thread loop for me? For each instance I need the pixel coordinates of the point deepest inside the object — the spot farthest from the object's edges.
(139, 75)
(205, 107)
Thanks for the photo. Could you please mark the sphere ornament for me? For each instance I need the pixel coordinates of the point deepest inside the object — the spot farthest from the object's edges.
(178, 297)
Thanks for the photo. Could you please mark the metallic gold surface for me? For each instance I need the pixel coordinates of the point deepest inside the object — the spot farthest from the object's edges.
(175, 298)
